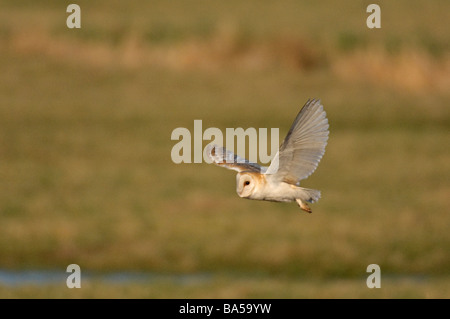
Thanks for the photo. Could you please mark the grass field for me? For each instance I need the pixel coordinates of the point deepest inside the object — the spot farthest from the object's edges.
(86, 118)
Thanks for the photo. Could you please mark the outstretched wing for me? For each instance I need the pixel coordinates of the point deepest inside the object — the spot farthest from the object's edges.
(223, 157)
(303, 146)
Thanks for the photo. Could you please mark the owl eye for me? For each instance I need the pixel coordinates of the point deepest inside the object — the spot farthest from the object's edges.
(246, 183)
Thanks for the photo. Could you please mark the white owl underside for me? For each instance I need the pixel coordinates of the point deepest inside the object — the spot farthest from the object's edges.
(297, 158)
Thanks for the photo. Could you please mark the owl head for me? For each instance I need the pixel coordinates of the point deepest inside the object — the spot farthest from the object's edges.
(246, 183)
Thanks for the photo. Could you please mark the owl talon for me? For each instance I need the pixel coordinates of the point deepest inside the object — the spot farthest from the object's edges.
(304, 206)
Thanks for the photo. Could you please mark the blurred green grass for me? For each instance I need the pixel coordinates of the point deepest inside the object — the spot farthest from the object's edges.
(85, 125)
(241, 286)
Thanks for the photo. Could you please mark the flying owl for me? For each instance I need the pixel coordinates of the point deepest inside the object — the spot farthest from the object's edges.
(297, 158)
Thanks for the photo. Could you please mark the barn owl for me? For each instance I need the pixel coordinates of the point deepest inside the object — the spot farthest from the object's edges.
(296, 159)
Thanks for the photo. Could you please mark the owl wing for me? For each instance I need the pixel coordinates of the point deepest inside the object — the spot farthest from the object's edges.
(225, 158)
(303, 146)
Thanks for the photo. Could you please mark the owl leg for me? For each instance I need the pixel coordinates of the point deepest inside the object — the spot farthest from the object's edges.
(303, 205)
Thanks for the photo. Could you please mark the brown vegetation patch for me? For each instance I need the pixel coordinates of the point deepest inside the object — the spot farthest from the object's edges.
(227, 48)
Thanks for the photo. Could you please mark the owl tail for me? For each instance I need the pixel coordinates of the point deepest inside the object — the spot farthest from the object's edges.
(307, 195)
